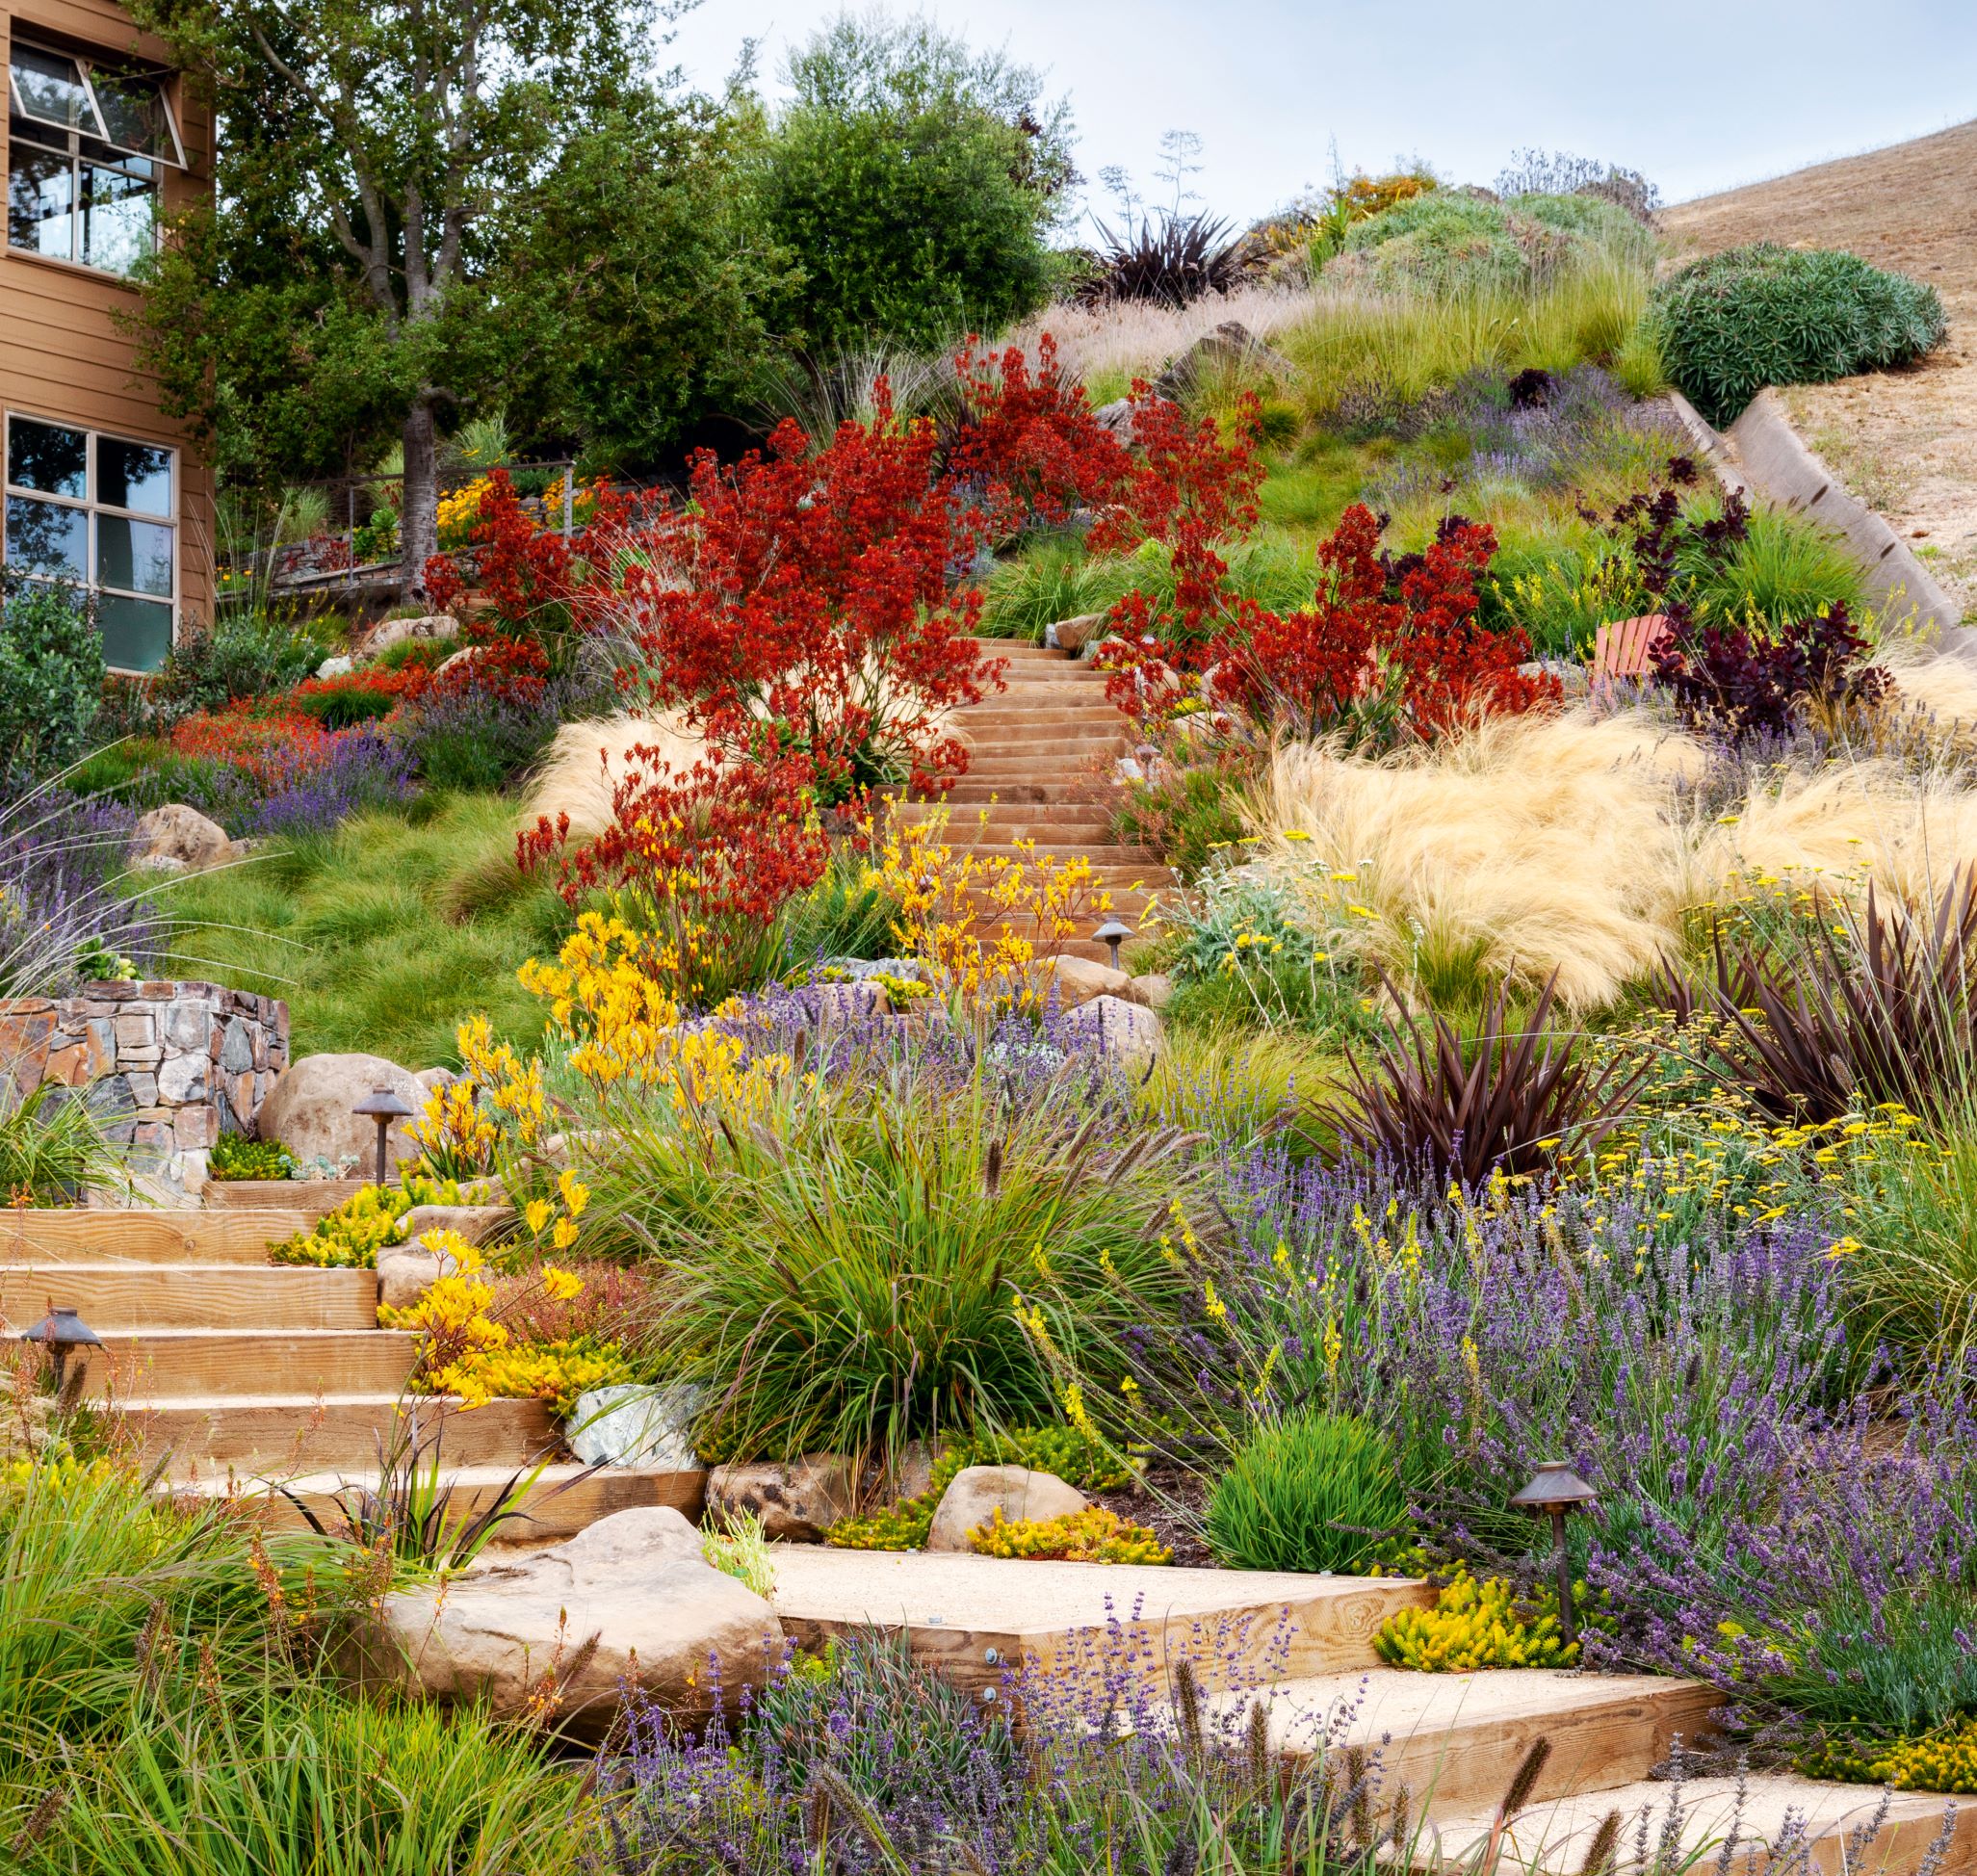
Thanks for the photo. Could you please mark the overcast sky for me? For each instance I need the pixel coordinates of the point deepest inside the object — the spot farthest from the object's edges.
(1700, 94)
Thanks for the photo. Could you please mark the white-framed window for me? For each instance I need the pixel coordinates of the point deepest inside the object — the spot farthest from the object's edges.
(87, 148)
(101, 510)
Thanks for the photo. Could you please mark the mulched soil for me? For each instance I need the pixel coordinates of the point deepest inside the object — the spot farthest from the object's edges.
(1157, 1512)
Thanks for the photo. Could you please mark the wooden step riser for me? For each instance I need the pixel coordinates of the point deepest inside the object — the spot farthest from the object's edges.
(242, 1236)
(313, 1198)
(1611, 1738)
(139, 1369)
(1017, 791)
(550, 1514)
(175, 1297)
(206, 1433)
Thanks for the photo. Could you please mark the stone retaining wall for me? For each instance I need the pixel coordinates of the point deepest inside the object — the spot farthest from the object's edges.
(168, 1067)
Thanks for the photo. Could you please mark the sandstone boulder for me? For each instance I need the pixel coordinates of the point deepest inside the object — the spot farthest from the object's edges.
(632, 1425)
(1231, 346)
(797, 1499)
(1077, 980)
(629, 1602)
(389, 633)
(178, 838)
(1156, 990)
(309, 1110)
(1129, 1036)
(1074, 634)
(432, 1080)
(978, 1492)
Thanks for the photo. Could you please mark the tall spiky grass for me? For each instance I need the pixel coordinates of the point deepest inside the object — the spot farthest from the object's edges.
(843, 1270)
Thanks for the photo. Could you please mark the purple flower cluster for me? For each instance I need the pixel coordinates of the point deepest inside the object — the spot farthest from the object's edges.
(364, 767)
(64, 883)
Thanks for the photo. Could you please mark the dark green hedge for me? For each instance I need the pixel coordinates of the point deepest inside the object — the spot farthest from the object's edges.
(1764, 315)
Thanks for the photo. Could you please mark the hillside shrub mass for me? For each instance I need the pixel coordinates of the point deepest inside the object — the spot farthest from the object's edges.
(1760, 315)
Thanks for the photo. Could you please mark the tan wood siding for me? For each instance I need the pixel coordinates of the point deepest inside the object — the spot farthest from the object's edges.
(62, 354)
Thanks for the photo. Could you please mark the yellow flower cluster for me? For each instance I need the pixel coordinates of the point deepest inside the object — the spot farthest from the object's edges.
(1942, 1761)
(543, 1215)
(1475, 1623)
(468, 1351)
(982, 924)
(1093, 1535)
(608, 1001)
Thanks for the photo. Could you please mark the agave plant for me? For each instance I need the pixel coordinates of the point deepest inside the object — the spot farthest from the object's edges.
(1512, 1098)
(1876, 1009)
(1170, 259)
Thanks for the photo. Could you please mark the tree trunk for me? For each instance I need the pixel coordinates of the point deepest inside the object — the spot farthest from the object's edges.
(419, 509)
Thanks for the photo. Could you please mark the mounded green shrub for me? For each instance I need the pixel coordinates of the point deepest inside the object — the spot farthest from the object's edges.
(1749, 317)
(51, 673)
(1447, 242)
(1319, 1492)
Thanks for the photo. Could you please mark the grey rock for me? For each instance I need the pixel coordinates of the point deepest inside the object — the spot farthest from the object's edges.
(632, 1425)
(342, 665)
(1129, 1036)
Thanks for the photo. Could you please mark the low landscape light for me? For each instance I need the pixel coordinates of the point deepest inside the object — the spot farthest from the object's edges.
(1554, 1492)
(58, 1332)
(1111, 934)
(383, 1106)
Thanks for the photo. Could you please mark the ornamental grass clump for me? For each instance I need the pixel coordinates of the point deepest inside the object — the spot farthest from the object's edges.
(873, 1257)
(1314, 1492)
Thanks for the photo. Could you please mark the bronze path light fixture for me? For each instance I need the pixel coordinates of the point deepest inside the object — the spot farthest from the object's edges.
(1554, 1492)
(383, 1106)
(58, 1332)
(1111, 934)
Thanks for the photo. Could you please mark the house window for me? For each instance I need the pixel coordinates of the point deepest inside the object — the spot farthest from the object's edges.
(86, 153)
(98, 510)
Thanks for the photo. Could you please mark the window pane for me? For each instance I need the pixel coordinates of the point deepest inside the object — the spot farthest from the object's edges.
(115, 219)
(137, 633)
(47, 458)
(50, 87)
(40, 200)
(133, 113)
(133, 476)
(135, 555)
(43, 537)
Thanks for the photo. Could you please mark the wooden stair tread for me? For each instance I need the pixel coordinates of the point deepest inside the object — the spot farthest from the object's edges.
(142, 1237)
(1553, 1836)
(121, 1297)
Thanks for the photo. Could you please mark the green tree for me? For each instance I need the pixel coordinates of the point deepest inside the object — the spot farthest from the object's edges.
(345, 283)
(916, 183)
(647, 239)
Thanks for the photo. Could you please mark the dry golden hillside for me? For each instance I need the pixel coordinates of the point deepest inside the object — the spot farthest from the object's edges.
(1904, 441)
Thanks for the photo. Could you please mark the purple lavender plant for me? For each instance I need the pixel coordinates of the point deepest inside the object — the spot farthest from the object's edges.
(364, 767)
(64, 882)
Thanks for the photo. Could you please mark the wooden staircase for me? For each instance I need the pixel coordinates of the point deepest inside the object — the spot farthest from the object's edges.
(1042, 768)
(239, 1376)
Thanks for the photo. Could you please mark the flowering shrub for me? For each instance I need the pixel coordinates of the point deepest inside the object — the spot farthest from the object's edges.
(495, 1107)
(948, 899)
(1391, 648)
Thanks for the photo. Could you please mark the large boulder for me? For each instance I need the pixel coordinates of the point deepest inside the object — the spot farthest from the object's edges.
(1077, 980)
(630, 1602)
(178, 838)
(1231, 346)
(390, 633)
(1156, 990)
(978, 1492)
(1075, 634)
(797, 1499)
(309, 1110)
(1128, 1035)
(633, 1425)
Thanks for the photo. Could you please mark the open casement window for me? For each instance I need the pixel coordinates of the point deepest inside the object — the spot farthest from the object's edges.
(99, 511)
(87, 146)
